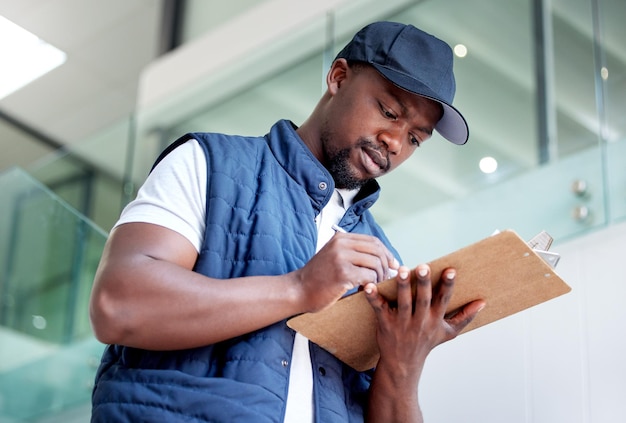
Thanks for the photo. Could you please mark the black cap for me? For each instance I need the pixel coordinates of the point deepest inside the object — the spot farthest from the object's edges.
(414, 61)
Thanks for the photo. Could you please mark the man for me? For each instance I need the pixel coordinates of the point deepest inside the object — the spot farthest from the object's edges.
(231, 236)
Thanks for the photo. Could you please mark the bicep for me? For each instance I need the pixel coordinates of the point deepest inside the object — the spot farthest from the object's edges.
(139, 263)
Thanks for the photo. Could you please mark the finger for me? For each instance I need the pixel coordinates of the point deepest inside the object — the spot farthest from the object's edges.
(392, 265)
(423, 294)
(362, 276)
(405, 297)
(394, 268)
(359, 267)
(374, 298)
(369, 264)
(376, 255)
(443, 291)
(465, 315)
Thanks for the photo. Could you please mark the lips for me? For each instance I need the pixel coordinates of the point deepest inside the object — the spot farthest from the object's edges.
(376, 157)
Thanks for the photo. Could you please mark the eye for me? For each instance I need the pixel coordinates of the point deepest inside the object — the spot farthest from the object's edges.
(414, 140)
(388, 114)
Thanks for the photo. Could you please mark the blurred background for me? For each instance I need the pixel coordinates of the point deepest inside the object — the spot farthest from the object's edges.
(96, 89)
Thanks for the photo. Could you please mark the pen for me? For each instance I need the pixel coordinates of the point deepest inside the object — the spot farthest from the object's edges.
(392, 272)
(338, 228)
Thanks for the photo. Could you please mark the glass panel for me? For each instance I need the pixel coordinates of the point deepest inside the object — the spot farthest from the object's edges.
(48, 257)
(90, 175)
(54, 381)
(613, 81)
(575, 90)
(529, 203)
(616, 175)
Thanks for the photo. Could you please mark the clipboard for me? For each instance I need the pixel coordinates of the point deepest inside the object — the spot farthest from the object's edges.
(502, 269)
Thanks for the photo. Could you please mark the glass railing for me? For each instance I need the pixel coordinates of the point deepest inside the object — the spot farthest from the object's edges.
(91, 175)
(565, 198)
(48, 256)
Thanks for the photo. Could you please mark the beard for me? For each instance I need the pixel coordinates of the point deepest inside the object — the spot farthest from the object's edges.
(337, 162)
(343, 175)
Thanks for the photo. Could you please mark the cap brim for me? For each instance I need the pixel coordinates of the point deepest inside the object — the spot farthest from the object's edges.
(452, 125)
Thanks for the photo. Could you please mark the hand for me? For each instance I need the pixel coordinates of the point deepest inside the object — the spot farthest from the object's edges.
(345, 262)
(407, 333)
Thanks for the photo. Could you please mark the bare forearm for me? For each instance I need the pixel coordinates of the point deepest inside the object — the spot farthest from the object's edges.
(154, 304)
(393, 397)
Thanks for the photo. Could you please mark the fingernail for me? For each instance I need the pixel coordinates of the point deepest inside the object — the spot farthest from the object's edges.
(480, 308)
(422, 270)
(450, 274)
(396, 263)
(404, 273)
(368, 289)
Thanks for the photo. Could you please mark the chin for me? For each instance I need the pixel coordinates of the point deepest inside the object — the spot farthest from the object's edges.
(351, 183)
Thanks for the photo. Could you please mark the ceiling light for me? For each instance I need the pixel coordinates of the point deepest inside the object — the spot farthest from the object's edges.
(460, 50)
(488, 165)
(25, 57)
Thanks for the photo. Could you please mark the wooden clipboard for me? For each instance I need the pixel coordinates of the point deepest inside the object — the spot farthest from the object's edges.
(502, 270)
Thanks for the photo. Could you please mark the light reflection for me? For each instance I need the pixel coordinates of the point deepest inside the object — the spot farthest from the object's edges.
(604, 73)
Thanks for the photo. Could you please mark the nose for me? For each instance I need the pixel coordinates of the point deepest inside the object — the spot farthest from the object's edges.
(392, 139)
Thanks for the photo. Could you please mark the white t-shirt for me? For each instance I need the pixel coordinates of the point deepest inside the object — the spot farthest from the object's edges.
(174, 196)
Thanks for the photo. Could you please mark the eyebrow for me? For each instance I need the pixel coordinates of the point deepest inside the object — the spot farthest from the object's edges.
(403, 108)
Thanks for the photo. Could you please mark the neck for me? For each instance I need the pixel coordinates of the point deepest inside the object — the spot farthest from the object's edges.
(310, 131)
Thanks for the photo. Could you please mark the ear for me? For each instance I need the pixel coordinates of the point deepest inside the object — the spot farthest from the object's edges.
(336, 75)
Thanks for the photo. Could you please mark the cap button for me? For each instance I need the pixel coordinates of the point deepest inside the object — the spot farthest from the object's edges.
(323, 185)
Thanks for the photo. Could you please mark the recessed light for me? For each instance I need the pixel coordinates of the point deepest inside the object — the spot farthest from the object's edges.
(488, 165)
(460, 50)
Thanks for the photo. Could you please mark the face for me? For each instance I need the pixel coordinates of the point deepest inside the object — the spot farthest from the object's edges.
(371, 126)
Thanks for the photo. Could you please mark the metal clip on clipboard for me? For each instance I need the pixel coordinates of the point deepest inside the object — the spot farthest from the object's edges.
(541, 243)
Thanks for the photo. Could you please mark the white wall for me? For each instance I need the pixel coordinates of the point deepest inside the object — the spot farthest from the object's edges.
(561, 361)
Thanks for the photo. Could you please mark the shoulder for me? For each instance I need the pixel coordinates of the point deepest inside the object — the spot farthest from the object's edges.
(212, 140)
(227, 150)
(210, 143)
